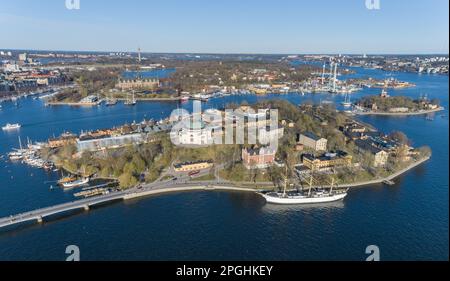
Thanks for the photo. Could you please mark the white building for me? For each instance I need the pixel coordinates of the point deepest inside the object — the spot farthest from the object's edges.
(23, 57)
(192, 134)
(12, 67)
(267, 135)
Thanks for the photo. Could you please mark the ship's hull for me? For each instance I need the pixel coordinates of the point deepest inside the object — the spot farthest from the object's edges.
(9, 128)
(75, 183)
(303, 199)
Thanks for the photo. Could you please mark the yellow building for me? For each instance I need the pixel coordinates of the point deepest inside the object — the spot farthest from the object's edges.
(193, 166)
(327, 160)
(60, 142)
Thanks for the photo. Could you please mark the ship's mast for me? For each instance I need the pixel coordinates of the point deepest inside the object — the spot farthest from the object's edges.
(285, 183)
(334, 77)
(310, 185)
(323, 73)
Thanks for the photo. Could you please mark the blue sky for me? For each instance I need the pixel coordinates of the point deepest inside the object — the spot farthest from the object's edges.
(227, 26)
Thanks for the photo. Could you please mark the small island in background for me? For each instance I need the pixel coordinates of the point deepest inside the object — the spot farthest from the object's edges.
(384, 104)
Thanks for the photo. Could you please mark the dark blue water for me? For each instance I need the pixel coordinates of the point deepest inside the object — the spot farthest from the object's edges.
(408, 221)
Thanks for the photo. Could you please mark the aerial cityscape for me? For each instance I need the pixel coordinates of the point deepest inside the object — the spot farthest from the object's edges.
(127, 139)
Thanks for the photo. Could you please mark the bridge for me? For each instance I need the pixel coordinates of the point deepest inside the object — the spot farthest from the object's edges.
(84, 204)
(39, 214)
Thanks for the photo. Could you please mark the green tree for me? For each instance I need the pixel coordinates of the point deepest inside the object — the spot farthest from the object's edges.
(127, 180)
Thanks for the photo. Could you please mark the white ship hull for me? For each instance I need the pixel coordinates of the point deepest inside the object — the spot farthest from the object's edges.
(9, 127)
(303, 199)
(75, 183)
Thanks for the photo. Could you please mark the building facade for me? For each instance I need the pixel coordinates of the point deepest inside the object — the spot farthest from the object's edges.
(138, 84)
(327, 160)
(380, 156)
(193, 133)
(310, 140)
(258, 157)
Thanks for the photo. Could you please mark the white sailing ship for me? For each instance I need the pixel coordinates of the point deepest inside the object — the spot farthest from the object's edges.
(300, 197)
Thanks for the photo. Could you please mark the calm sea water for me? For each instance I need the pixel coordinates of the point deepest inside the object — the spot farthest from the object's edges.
(408, 221)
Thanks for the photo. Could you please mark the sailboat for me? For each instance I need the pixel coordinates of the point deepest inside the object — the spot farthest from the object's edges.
(347, 102)
(310, 197)
(111, 101)
(18, 154)
(132, 101)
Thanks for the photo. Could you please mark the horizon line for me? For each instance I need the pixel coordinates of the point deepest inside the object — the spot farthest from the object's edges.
(230, 53)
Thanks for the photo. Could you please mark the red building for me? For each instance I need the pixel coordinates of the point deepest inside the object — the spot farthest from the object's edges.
(258, 157)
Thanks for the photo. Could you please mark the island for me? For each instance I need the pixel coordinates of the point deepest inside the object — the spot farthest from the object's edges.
(385, 104)
(317, 145)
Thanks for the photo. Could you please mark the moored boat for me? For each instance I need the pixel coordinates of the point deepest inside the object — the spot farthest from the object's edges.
(305, 197)
(301, 198)
(76, 183)
(66, 180)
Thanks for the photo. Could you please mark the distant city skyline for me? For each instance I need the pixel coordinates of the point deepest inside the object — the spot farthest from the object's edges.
(235, 27)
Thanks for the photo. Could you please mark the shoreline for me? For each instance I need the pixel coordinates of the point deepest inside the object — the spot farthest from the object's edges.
(119, 99)
(390, 177)
(152, 99)
(196, 187)
(72, 103)
(86, 203)
(400, 113)
(215, 187)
